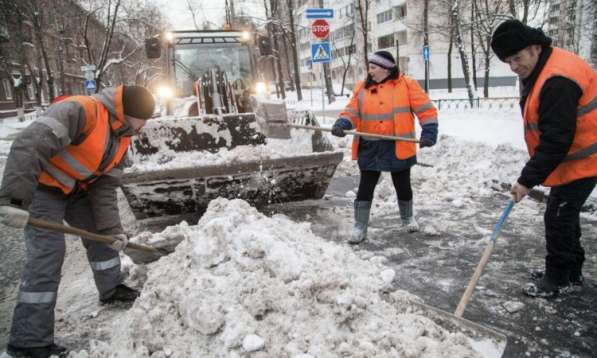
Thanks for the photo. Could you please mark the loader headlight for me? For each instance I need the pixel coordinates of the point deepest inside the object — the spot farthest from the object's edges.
(169, 36)
(165, 92)
(245, 36)
(260, 88)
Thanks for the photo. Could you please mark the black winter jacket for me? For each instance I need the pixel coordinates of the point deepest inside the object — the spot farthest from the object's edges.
(558, 102)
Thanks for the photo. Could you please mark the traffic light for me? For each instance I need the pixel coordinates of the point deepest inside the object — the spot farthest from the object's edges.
(153, 48)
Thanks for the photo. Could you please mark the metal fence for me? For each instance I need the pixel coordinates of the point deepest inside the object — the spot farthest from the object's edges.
(477, 103)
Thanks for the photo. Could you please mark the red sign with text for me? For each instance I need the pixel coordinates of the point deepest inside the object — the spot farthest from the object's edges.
(320, 28)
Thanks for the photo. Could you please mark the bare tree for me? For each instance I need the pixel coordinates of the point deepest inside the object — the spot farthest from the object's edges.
(271, 30)
(362, 8)
(455, 10)
(487, 16)
(193, 12)
(449, 67)
(15, 52)
(292, 37)
(346, 63)
(33, 12)
(594, 41)
(525, 10)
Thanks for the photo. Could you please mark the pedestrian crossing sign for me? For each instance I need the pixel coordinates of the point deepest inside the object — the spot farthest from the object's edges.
(321, 52)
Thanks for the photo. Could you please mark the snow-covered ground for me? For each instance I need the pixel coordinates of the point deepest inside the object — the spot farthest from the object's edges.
(243, 284)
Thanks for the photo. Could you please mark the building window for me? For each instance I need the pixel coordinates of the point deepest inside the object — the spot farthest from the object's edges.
(400, 11)
(7, 88)
(384, 16)
(385, 41)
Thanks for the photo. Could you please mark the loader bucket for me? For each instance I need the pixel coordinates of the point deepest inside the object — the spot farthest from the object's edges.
(202, 133)
(170, 195)
(186, 192)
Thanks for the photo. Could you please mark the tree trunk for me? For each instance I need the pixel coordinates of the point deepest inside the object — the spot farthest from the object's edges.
(473, 56)
(297, 73)
(44, 53)
(594, 42)
(363, 8)
(450, 46)
(487, 67)
(347, 65)
(461, 50)
(287, 58)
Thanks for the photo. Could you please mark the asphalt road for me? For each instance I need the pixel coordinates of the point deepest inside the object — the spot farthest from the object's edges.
(437, 268)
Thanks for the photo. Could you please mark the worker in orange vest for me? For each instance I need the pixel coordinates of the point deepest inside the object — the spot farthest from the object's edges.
(384, 104)
(559, 107)
(66, 166)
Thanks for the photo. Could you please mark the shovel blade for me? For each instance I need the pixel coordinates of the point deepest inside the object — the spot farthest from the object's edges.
(146, 257)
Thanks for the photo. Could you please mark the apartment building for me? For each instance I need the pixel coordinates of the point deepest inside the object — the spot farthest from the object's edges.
(572, 24)
(395, 26)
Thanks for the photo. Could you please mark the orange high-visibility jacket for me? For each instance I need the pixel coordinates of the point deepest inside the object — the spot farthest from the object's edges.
(81, 162)
(387, 109)
(581, 161)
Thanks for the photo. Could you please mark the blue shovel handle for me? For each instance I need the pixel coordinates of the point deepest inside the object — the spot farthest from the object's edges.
(503, 217)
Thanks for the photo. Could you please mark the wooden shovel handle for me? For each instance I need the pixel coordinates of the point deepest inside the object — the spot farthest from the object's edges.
(353, 132)
(86, 234)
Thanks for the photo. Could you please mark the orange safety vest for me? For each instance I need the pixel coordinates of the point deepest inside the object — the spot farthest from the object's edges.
(387, 109)
(581, 161)
(80, 163)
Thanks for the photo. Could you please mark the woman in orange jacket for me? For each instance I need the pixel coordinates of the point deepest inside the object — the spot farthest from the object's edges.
(384, 104)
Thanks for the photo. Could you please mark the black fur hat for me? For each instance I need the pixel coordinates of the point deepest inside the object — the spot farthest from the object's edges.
(512, 36)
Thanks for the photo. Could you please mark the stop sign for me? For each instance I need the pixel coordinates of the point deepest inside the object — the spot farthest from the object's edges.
(320, 28)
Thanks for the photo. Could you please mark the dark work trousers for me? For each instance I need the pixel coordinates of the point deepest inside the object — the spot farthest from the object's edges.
(565, 255)
(370, 178)
(33, 319)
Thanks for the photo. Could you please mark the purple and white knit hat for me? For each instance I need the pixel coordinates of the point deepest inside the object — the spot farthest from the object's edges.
(383, 59)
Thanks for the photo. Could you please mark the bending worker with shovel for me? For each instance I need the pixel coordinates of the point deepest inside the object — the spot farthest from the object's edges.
(559, 106)
(384, 104)
(67, 165)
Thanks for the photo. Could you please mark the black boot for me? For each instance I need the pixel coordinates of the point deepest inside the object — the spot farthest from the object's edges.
(577, 282)
(121, 293)
(36, 352)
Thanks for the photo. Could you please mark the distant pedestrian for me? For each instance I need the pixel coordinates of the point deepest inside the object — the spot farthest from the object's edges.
(66, 166)
(384, 104)
(559, 107)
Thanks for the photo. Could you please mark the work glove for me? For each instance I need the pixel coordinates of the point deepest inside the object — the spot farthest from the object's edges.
(13, 216)
(340, 126)
(428, 135)
(122, 240)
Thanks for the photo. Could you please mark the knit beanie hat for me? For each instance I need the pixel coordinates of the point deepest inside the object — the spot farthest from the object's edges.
(512, 36)
(382, 59)
(138, 102)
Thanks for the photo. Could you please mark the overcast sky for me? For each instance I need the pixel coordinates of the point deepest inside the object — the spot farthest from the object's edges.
(180, 17)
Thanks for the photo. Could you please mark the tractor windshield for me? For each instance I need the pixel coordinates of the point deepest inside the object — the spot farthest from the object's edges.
(195, 60)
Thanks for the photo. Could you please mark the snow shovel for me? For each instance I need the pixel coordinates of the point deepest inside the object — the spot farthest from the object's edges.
(140, 254)
(483, 262)
(351, 132)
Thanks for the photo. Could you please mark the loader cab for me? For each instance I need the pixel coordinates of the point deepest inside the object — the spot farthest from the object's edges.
(201, 63)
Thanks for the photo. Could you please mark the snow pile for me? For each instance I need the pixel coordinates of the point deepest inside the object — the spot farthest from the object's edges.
(242, 283)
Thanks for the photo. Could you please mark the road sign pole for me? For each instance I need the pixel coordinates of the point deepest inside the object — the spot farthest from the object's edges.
(322, 89)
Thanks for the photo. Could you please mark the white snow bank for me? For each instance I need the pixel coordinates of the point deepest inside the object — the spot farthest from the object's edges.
(242, 282)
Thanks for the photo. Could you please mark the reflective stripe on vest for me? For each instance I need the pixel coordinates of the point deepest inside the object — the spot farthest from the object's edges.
(104, 265)
(581, 159)
(37, 297)
(57, 128)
